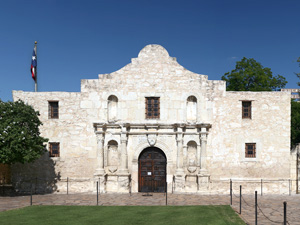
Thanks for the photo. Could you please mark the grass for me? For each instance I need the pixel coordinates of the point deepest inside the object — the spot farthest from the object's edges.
(215, 215)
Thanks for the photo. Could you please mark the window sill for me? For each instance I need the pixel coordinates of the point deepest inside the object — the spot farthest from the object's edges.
(250, 160)
(55, 158)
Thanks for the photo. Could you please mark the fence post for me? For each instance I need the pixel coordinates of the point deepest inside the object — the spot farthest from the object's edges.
(261, 187)
(35, 185)
(230, 192)
(67, 185)
(166, 193)
(255, 207)
(284, 213)
(31, 192)
(97, 192)
(173, 184)
(99, 186)
(3, 184)
(240, 199)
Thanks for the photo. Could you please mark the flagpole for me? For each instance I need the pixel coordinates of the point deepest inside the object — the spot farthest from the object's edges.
(35, 81)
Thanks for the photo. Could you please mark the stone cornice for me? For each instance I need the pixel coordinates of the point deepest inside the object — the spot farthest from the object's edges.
(148, 128)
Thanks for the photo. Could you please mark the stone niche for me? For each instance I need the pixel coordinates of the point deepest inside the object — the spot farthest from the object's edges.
(112, 156)
(191, 157)
(112, 114)
(191, 109)
(191, 167)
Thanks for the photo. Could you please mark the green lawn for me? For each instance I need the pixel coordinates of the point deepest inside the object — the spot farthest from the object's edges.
(121, 215)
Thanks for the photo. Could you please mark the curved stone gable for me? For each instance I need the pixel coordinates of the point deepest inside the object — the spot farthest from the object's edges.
(154, 69)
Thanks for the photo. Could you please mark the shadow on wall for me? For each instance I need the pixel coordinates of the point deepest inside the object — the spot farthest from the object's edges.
(38, 177)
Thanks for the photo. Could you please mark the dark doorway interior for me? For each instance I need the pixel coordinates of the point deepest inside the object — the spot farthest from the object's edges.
(152, 170)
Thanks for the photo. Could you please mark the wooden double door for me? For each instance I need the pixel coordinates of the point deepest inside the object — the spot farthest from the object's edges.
(152, 170)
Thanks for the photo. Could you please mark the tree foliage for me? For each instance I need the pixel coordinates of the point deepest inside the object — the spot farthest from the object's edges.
(295, 123)
(298, 74)
(250, 75)
(20, 139)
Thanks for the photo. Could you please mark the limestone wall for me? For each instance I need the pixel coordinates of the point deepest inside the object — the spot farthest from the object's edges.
(118, 99)
(269, 128)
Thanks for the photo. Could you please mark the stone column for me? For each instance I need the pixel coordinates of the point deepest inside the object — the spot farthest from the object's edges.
(203, 140)
(124, 156)
(198, 156)
(100, 154)
(179, 174)
(179, 139)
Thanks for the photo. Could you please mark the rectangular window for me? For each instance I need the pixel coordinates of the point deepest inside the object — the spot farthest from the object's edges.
(54, 149)
(246, 110)
(250, 151)
(152, 108)
(53, 110)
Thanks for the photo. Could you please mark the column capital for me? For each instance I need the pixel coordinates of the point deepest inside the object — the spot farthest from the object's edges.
(100, 138)
(124, 140)
(203, 137)
(179, 139)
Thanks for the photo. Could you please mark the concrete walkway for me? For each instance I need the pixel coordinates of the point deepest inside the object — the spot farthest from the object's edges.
(271, 205)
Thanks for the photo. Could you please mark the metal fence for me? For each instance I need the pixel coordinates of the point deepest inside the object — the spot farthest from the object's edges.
(258, 208)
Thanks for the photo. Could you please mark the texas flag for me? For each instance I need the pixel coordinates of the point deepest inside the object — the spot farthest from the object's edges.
(33, 64)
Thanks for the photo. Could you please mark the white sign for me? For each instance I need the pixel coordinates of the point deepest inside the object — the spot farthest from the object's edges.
(149, 173)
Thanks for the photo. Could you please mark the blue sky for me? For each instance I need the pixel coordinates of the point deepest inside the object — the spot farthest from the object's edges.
(81, 39)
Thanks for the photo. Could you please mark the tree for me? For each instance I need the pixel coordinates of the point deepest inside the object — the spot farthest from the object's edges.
(20, 139)
(250, 75)
(295, 119)
(295, 123)
(298, 74)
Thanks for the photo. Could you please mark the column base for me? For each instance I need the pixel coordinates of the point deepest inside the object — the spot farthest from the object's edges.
(99, 172)
(179, 182)
(179, 171)
(118, 183)
(203, 182)
(123, 172)
(101, 183)
(203, 172)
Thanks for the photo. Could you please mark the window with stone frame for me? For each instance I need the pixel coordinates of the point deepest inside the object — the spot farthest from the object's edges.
(246, 109)
(54, 149)
(250, 150)
(152, 108)
(53, 109)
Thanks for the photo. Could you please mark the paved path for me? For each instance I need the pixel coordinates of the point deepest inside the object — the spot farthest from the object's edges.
(271, 205)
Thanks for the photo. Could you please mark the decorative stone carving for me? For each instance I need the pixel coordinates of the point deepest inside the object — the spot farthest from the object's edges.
(112, 169)
(192, 169)
(152, 139)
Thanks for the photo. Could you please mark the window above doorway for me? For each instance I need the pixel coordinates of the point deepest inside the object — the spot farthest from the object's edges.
(152, 108)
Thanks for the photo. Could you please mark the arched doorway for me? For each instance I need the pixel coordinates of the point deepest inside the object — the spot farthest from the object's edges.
(152, 170)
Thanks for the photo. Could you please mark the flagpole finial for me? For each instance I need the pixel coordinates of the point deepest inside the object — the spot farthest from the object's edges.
(35, 42)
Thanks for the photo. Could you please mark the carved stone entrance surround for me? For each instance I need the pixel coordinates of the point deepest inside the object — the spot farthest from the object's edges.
(120, 180)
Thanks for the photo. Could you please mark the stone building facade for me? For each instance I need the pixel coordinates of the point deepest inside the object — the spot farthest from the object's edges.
(154, 125)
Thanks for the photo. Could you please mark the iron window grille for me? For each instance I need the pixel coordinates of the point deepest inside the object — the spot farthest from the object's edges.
(53, 110)
(250, 151)
(54, 149)
(152, 108)
(246, 110)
